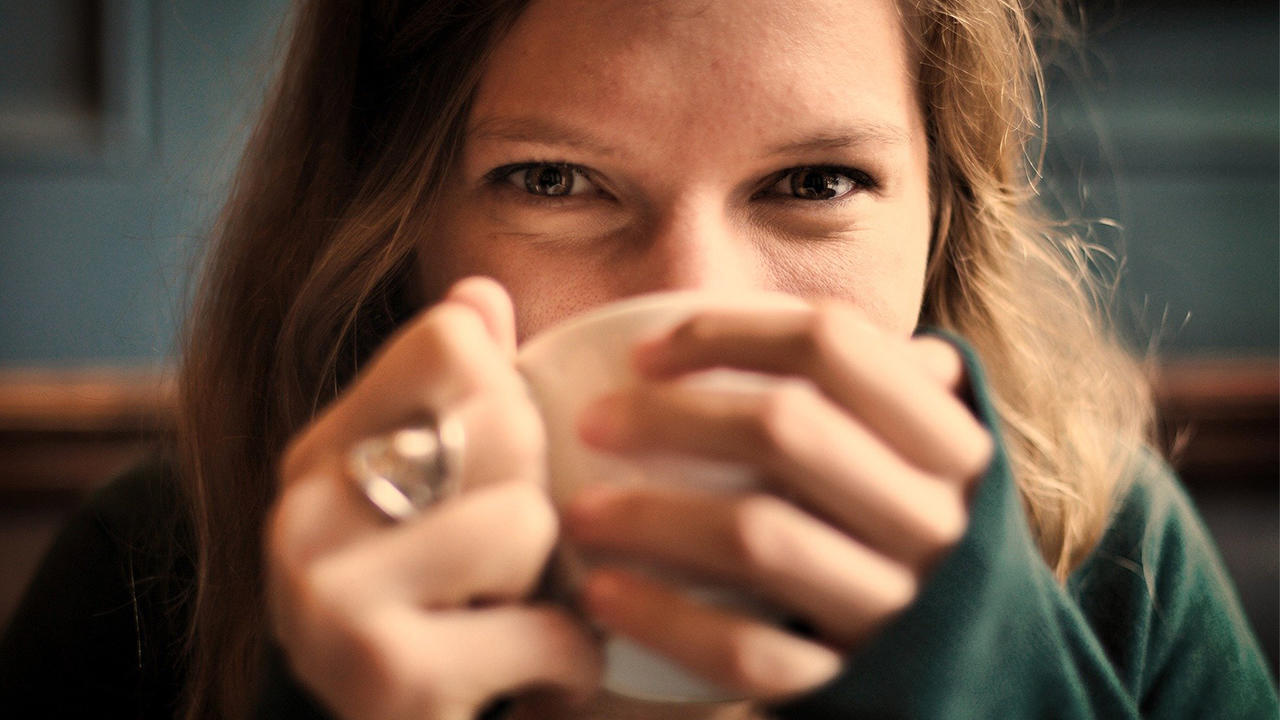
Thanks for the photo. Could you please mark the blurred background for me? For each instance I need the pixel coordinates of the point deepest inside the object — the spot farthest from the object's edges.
(121, 122)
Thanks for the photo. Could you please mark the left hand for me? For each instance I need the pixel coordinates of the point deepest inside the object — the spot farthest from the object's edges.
(869, 457)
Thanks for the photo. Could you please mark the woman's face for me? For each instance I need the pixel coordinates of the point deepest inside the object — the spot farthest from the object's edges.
(617, 147)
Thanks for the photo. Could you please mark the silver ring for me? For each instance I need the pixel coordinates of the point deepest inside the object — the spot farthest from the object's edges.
(403, 472)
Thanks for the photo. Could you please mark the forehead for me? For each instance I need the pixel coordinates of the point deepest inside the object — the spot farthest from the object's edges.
(667, 70)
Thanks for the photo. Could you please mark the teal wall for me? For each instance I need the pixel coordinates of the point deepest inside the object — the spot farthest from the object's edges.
(120, 121)
(1169, 123)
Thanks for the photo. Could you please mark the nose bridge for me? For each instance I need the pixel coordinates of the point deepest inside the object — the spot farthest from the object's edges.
(693, 245)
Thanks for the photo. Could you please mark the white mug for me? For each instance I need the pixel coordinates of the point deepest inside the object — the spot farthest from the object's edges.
(568, 366)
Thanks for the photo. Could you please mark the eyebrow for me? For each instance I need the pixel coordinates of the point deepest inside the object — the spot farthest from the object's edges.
(538, 130)
(549, 132)
(862, 134)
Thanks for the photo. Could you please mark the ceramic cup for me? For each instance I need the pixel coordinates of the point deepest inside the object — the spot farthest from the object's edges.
(587, 356)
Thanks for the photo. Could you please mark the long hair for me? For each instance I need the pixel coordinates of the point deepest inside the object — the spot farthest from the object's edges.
(308, 273)
(313, 260)
(1023, 288)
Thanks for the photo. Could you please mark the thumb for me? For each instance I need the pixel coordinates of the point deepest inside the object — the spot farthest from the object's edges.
(491, 301)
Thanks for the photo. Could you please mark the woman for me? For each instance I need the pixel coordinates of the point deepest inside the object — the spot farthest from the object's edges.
(868, 156)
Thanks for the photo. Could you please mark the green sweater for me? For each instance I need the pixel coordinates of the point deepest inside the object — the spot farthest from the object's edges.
(1148, 626)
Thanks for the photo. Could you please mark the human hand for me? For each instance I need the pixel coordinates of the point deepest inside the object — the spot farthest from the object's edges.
(869, 456)
(426, 618)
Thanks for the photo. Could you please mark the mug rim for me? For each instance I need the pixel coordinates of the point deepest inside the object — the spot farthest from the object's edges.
(696, 300)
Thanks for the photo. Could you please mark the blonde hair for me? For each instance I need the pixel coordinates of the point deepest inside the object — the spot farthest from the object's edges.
(309, 272)
(312, 270)
(1022, 288)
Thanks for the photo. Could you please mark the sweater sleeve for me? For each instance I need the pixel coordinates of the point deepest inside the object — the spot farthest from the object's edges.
(1149, 626)
(1156, 594)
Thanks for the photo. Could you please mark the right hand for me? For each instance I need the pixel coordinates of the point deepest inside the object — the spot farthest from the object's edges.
(427, 618)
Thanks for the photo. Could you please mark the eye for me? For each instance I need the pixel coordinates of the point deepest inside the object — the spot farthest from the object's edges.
(546, 179)
(820, 183)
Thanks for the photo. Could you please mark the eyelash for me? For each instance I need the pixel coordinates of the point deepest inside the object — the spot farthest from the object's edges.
(858, 179)
(500, 177)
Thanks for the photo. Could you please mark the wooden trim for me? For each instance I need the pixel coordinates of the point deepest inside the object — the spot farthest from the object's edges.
(100, 400)
(65, 431)
(1219, 384)
(1220, 420)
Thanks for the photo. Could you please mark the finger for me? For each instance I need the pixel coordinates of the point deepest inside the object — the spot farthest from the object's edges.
(730, 650)
(440, 358)
(515, 647)
(810, 449)
(311, 516)
(852, 362)
(444, 363)
(491, 301)
(486, 546)
(321, 506)
(754, 541)
(393, 665)
(504, 440)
